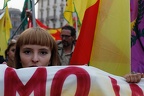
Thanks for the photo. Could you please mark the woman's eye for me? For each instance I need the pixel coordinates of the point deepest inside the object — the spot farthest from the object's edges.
(13, 50)
(26, 52)
(43, 52)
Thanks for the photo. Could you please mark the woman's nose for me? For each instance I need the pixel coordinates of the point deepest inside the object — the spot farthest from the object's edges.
(35, 58)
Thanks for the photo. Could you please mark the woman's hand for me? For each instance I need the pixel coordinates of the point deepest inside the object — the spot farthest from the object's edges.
(134, 78)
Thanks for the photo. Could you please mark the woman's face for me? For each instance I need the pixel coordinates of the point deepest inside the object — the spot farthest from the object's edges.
(34, 55)
(11, 53)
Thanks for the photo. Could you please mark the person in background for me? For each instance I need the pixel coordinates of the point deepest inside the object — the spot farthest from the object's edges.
(67, 44)
(36, 47)
(9, 53)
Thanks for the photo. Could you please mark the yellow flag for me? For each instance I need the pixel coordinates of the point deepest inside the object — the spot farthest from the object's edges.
(111, 46)
(5, 26)
(81, 6)
(8, 24)
(78, 6)
(68, 13)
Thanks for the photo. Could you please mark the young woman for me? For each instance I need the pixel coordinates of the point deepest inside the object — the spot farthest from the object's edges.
(36, 47)
(9, 53)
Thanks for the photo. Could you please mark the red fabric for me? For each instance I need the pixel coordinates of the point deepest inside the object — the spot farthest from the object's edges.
(57, 35)
(30, 23)
(38, 22)
(41, 24)
(137, 90)
(82, 52)
(13, 83)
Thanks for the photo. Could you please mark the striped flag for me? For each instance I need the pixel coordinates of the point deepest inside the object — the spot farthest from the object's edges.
(104, 36)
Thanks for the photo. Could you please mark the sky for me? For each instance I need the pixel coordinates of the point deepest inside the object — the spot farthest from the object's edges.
(15, 4)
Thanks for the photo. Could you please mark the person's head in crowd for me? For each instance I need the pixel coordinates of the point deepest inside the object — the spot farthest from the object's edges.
(36, 47)
(68, 35)
(16, 37)
(9, 53)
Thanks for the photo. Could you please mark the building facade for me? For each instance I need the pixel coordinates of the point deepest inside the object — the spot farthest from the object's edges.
(15, 15)
(50, 12)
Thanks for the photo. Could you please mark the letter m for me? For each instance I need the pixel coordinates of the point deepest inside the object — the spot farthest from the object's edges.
(36, 84)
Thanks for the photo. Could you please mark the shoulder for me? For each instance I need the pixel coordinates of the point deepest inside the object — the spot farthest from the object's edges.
(59, 44)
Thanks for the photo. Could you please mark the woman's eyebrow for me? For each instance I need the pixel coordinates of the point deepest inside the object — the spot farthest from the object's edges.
(26, 48)
(45, 49)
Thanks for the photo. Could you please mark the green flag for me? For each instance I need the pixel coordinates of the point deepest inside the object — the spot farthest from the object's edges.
(27, 6)
(5, 3)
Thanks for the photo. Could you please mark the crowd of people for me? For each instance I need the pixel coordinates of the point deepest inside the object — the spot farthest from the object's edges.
(36, 47)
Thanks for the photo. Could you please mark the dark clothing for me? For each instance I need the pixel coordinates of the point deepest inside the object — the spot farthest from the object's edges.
(1, 59)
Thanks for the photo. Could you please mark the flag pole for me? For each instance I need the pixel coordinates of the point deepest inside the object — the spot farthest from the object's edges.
(33, 14)
(76, 23)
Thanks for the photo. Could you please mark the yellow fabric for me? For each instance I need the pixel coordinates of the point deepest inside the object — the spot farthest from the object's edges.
(5, 26)
(81, 6)
(53, 31)
(111, 46)
(69, 9)
(78, 6)
(8, 24)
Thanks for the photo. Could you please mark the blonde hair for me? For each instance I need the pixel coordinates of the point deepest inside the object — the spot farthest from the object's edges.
(37, 36)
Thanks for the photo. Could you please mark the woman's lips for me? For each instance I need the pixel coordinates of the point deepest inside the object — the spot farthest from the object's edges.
(33, 66)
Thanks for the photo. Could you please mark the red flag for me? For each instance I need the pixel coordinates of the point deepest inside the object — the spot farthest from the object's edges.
(55, 33)
(38, 22)
(41, 24)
